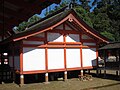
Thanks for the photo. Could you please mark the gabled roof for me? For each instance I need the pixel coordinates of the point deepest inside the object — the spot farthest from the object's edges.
(48, 23)
(115, 45)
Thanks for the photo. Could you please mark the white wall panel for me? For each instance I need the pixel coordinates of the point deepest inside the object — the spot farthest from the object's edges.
(72, 38)
(55, 58)
(89, 57)
(55, 37)
(33, 59)
(73, 58)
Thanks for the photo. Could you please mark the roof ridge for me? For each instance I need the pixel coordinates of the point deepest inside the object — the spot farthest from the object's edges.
(49, 15)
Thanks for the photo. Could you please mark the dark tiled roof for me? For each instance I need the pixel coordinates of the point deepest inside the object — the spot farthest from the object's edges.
(45, 22)
(51, 20)
(115, 45)
(49, 15)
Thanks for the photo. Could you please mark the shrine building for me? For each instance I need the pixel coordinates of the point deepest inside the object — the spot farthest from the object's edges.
(60, 42)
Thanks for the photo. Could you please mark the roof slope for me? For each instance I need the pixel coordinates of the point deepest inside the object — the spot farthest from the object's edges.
(115, 45)
(44, 23)
(55, 19)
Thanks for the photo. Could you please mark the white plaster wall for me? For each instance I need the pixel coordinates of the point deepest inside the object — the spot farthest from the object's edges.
(17, 62)
(33, 59)
(55, 37)
(89, 57)
(59, 27)
(72, 38)
(86, 37)
(33, 42)
(93, 44)
(55, 58)
(73, 58)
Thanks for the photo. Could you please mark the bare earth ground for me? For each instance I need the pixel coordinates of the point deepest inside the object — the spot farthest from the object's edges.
(98, 83)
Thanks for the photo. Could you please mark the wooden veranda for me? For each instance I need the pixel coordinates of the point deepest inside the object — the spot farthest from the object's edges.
(110, 54)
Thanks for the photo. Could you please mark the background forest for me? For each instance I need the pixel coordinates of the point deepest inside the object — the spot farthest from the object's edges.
(102, 15)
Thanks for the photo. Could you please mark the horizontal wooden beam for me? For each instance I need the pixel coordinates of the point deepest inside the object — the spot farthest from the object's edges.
(58, 46)
(57, 70)
(56, 43)
(61, 43)
(35, 71)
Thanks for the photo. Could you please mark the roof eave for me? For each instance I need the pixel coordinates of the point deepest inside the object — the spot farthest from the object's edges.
(71, 14)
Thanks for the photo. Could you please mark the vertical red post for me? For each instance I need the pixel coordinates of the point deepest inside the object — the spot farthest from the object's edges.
(81, 61)
(97, 56)
(21, 64)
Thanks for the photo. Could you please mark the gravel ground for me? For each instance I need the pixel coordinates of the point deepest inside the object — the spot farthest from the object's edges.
(98, 83)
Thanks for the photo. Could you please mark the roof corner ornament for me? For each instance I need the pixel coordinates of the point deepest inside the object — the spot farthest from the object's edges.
(87, 31)
(70, 19)
(25, 37)
(51, 28)
(26, 28)
(70, 5)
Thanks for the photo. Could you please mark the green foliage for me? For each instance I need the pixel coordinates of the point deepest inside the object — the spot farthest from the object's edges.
(62, 4)
(108, 35)
(81, 9)
(85, 4)
(107, 18)
(101, 22)
(33, 19)
(21, 27)
(84, 15)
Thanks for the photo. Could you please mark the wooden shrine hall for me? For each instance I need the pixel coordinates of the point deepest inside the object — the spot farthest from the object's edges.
(60, 42)
(111, 58)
